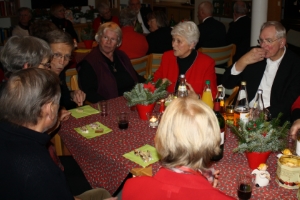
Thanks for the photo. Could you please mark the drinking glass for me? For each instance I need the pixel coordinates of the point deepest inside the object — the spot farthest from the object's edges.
(244, 186)
(104, 108)
(123, 120)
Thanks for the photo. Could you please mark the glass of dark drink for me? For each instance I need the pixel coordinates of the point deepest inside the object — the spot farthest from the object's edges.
(244, 186)
(123, 120)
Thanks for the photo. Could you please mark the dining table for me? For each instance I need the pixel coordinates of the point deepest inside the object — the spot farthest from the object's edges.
(103, 164)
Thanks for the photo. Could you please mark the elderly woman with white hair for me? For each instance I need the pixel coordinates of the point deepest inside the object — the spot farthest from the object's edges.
(184, 59)
(186, 139)
(107, 72)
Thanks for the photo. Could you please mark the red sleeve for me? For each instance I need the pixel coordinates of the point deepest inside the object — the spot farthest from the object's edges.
(296, 104)
(96, 24)
(211, 75)
(159, 72)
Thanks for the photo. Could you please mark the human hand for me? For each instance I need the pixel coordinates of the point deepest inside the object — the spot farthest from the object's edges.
(216, 177)
(165, 79)
(252, 56)
(78, 97)
(63, 115)
(294, 129)
(191, 93)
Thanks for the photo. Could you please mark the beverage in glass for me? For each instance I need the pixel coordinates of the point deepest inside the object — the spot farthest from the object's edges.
(244, 186)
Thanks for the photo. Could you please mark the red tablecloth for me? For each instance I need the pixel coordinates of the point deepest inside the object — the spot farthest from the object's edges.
(102, 162)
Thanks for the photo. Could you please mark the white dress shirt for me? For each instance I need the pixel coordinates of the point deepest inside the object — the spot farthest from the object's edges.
(139, 17)
(266, 81)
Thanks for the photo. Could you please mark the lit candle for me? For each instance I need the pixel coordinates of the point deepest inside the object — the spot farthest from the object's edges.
(153, 122)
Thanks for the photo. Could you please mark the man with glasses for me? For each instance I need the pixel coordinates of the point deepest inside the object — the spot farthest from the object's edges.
(142, 13)
(270, 67)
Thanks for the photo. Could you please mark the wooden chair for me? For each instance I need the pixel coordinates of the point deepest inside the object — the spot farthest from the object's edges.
(233, 92)
(71, 78)
(141, 65)
(155, 59)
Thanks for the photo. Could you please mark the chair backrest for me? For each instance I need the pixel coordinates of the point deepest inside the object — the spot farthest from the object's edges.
(155, 59)
(141, 65)
(221, 55)
(293, 37)
(74, 82)
(232, 92)
(69, 74)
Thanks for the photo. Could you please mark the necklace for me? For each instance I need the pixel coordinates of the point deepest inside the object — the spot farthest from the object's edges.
(113, 66)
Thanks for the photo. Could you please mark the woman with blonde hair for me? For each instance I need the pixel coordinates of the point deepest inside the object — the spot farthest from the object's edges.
(186, 139)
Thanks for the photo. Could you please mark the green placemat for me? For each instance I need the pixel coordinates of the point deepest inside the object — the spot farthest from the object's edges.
(83, 111)
(91, 132)
(139, 160)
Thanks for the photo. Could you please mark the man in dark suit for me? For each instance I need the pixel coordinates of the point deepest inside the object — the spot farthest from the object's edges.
(272, 68)
(239, 31)
(212, 31)
(142, 13)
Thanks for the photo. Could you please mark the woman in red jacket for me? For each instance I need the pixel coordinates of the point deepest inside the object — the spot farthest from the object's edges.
(185, 151)
(184, 59)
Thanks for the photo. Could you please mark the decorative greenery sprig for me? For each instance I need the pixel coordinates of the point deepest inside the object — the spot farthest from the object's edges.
(147, 93)
(87, 33)
(261, 136)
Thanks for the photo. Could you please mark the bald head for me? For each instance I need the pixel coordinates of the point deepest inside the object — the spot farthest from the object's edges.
(205, 9)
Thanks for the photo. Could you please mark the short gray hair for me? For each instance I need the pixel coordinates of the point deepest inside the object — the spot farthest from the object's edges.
(127, 17)
(21, 50)
(240, 7)
(112, 26)
(188, 30)
(59, 36)
(26, 92)
(280, 30)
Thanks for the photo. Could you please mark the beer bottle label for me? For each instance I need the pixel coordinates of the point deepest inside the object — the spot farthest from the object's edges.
(182, 88)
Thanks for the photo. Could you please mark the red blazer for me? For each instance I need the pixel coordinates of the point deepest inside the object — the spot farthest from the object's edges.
(97, 22)
(167, 184)
(202, 69)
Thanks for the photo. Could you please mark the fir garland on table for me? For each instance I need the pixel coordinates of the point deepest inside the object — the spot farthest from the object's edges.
(147, 93)
(261, 136)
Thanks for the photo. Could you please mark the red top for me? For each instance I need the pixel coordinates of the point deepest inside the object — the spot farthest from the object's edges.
(97, 22)
(296, 104)
(201, 70)
(167, 184)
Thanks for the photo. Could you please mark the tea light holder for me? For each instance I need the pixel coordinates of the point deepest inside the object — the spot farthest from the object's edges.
(153, 119)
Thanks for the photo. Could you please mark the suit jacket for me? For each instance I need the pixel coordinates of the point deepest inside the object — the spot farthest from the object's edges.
(239, 33)
(212, 33)
(160, 40)
(167, 184)
(285, 88)
(144, 13)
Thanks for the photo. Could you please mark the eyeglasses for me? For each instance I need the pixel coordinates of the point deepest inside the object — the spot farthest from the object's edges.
(112, 40)
(266, 41)
(46, 65)
(59, 56)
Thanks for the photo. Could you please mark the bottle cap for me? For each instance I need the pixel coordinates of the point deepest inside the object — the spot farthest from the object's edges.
(182, 76)
(243, 83)
(220, 89)
(207, 82)
(259, 91)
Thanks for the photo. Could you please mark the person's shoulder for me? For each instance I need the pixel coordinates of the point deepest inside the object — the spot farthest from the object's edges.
(204, 58)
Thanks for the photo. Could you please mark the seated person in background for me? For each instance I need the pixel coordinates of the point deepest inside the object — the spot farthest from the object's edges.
(62, 44)
(239, 30)
(104, 16)
(27, 170)
(272, 68)
(24, 52)
(107, 72)
(295, 118)
(184, 59)
(183, 160)
(57, 14)
(22, 29)
(159, 39)
(133, 44)
(141, 25)
(40, 28)
(212, 31)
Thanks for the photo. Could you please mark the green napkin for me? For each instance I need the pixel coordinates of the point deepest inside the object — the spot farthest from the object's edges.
(83, 111)
(139, 160)
(91, 132)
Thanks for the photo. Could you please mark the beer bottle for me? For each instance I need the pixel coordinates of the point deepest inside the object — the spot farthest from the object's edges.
(241, 109)
(182, 90)
(258, 106)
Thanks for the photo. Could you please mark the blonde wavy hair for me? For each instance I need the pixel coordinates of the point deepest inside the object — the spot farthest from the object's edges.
(188, 134)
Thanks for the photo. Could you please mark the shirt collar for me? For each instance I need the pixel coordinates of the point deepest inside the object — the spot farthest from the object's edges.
(205, 18)
(271, 62)
(239, 17)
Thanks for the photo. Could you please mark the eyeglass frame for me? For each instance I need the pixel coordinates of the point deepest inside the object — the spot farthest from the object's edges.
(60, 56)
(267, 41)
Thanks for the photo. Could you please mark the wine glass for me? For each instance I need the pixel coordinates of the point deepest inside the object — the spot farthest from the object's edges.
(244, 186)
